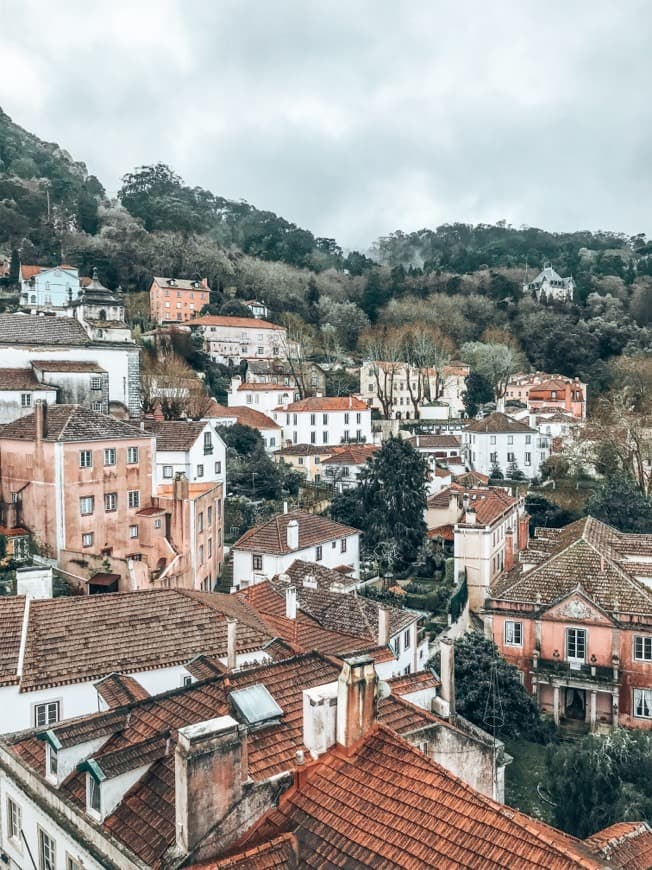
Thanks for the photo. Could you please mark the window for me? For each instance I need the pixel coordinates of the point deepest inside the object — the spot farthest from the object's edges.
(346, 419)
(257, 562)
(528, 459)
(52, 762)
(324, 437)
(358, 418)
(528, 439)
(492, 439)
(46, 714)
(72, 863)
(642, 648)
(261, 351)
(87, 539)
(325, 419)
(93, 795)
(186, 680)
(85, 458)
(209, 516)
(167, 471)
(157, 524)
(510, 439)
(218, 468)
(294, 419)
(300, 460)
(200, 471)
(210, 547)
(133, 531)
(201, 554)
(313, 437)
(511, 457)
(343, 545)
(200, 522)
(96, 406)
(318, 553)
(513, 633)
(109, 456)
(110, 501)
(86, 505)
(14, 820)
(26, 400)
(396, 645)
(132, 455)
(493, 457)
(406, 639)
(134, 498)
(46, 851)
(96, 383)
(575, 644)
(208, 443)
(643, 703)
(312, 419)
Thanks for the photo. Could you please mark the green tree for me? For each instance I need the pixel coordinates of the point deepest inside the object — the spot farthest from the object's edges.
(621, 504)
(517, 715)
(601, 780)
(478, 392)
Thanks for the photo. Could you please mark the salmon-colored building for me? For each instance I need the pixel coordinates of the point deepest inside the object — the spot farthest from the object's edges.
(541, 391)
(575, 617)
(83, 484)
(177, 300)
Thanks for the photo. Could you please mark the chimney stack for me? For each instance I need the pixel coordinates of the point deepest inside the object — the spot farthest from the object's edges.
(180, 486)
(523, 531)
(293, 535)
(356, 700)
(383, 626)
(291, 602)
(509, 550)
(210, 764)
(41, 419)
(447, 669)
(231, 642)
(320, 718)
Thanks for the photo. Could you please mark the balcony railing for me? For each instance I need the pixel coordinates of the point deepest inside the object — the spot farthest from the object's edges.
(575, 671)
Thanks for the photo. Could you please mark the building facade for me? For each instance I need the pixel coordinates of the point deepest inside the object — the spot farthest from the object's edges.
(48, 288)
(327, 420)
(499, 441)
(549, 285)
(228, 340)
(401, 391)
(177, 300)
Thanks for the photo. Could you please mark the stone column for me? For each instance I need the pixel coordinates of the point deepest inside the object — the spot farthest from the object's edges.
(555, 704)
(594, 709)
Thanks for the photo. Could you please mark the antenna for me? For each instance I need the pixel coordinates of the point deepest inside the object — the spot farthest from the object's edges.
(494, 716)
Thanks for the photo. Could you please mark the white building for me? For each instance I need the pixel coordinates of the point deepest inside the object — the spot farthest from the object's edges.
(325, 420)
(191, 447)
(48, 288)
(153, 636)
(393, 388)
(261, 397)
(231, 339)
(497, 440)
(270, 431)
(342, 468)
(26, 339)
(271, 548)
(19, 391)
(550, 285)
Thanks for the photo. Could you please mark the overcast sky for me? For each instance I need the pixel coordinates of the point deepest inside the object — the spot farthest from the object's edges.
(353, 118)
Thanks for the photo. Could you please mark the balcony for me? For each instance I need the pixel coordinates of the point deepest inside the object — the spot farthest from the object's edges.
(574, 672)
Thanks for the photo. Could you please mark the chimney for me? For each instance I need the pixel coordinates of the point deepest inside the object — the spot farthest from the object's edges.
(500, 405)
(320, 718)
(293, 535)
(291, 602)
(41, 419)
(383, 626)
(210, 766)
(447, 671)
(356, 700)
(231, 642)
(567, 396)
(523, 531)
(285, 507)
(469, 517)
(509, 550)
(180, 486)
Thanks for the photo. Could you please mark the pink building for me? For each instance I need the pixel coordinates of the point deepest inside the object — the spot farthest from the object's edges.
(540, 391)
(82, 483)
(177, 300)
(575, 617)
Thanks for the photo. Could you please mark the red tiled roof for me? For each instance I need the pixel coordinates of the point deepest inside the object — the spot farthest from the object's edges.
(328, 403)
(243, 415)
(434, 442)
(409, 683)
(119, 689)
(351, 455)
(386, 805)
(58, 365)
(239, 322)
(498, 423)
(28, 272)
(489, 504)
(12, 611)
(71, 423)
(472, 478)
(22, 379)
(266, 388)
(173, 435)
(447, 532)
(181, 284)
(280, 853)
(271, 537)
(625, 844)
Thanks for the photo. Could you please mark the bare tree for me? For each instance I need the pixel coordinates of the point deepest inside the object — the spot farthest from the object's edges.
(382, 347)
(168, 381)
(297, 346)
(426, 352)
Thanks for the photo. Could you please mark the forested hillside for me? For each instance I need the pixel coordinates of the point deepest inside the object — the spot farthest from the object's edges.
(460, 283)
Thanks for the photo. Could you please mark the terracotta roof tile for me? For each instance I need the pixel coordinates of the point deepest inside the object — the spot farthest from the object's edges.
(328, 403)
(180, 283)
(21, 379)
(434, 442)
(404, 685)
(625, 844)
(352, 455)
(12, 611)
(280, 853)
(271, 537)
(235, 322)
(119, 689)
(34, 330)
(28, 272)
(498, 423)
(243, 415)
(70, 423)
(172, 435)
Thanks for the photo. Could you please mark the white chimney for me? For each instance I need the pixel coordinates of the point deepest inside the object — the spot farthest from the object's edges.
(231, 642)
(500, 405)
(293, 535)
(383, 626)
(291, 602)
(285, 507)
(319, 718)
(447, 673)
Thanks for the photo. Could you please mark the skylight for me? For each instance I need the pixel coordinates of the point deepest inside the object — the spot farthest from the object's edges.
(255, 705)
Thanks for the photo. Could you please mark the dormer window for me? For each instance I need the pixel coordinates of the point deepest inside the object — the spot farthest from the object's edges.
(93, 796)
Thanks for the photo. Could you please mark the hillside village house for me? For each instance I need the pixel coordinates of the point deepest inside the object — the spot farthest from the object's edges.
(48, 288)
(258, 309)
(550, 285)
(575, 616)
(343, 466)
(306, 458)
(27, 340)
(19, 392)
(262, 397)
(84, 485)
(273, 767)
(177, 300)
(325, 420)
(101, 312)
(232, 339)
(192, 448)
(159, 638)
(270, 431)
(394, 388)
(498, 440)
(305, 376)
(543, 392)
(76, 382)
(270, 549)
